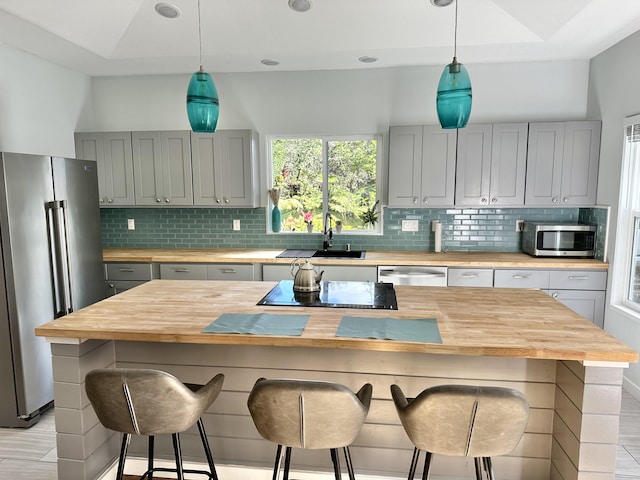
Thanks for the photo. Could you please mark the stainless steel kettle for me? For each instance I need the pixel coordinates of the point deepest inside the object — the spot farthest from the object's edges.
(306, 278)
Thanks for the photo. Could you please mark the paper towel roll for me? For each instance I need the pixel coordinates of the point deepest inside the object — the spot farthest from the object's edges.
(438, 237)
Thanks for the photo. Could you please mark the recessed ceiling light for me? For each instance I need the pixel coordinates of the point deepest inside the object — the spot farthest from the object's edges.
(367, 59)
(441, 3)
(166, 10)
(269, 63)
(300, 5)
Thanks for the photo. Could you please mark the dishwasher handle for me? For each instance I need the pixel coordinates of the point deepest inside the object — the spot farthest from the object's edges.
(392, 274)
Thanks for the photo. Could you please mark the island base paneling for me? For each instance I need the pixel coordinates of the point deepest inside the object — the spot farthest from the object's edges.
(563, 440)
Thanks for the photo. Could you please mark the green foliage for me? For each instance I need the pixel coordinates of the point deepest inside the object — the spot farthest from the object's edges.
(351, 180)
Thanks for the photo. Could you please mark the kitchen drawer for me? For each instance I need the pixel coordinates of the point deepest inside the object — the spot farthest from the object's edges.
(131, 271)
(578, 280)
(470, 277)
(521, 279)
(346, 273)
(183, 271)
(234, 271)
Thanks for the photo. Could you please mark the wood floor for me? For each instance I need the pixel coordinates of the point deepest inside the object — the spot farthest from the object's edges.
(31, 454)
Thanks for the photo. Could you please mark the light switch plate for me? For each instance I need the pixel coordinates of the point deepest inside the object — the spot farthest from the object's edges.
(236, 224)
(409, 225)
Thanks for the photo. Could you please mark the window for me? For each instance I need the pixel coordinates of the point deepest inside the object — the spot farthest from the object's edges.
(627, 261)
(327, 175)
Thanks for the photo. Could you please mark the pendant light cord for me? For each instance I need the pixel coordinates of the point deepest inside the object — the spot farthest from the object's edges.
(455, 32)
(200, 33)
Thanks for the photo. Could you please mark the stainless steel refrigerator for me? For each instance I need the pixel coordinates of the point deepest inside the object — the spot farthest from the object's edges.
(50, 265)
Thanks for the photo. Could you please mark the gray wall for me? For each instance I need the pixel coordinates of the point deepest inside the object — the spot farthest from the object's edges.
(613, 96)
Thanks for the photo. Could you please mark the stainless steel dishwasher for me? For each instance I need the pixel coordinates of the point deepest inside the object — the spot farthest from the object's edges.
(412, 275)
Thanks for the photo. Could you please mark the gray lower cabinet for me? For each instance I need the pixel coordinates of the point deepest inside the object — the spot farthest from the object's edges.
(470, 277)
(331, 273)
(123, 276)
(583, 291)
(216, 271)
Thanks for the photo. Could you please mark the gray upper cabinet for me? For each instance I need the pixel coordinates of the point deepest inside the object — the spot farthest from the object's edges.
(223, 168)
(112, 153)
(491, 165)
(562, 163)
(162, 168)
(422, 163)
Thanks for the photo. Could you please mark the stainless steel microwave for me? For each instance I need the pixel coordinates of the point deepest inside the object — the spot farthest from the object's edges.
(559, 240)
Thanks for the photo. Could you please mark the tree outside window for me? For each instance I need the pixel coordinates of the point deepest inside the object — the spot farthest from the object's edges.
(320, 175)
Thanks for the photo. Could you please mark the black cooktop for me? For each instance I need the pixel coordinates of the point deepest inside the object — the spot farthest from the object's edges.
(334, 294)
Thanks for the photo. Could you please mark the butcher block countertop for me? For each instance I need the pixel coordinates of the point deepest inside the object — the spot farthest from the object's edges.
(519, 323)
(372, 257)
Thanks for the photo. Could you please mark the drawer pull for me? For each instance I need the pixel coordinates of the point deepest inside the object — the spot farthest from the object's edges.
(469, 275)
(126, 270)
(181, 270)
(518, 276)
(578, 277)
(228, 270)
(554, 295)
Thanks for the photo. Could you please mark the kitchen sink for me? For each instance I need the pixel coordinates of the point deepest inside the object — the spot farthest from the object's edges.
(350, 254)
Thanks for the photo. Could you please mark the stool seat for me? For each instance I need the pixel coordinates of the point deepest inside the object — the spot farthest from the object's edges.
(151, 402)
(308, 414)
(463, 420)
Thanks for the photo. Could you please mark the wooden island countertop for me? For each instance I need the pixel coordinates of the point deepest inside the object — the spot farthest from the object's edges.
(518, 323)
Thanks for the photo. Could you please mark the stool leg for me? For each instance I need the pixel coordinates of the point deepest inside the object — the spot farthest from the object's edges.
(414, 463)
(488, 467)
(347, 459)
(150, 457)
(287, 462)
(336, 463)
(276, 467)
(478, 464)
(123, 453)
(178, 454)
(427, 465)
(207, 449)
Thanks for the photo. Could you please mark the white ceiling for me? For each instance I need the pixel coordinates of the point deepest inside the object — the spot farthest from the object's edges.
(127, 37)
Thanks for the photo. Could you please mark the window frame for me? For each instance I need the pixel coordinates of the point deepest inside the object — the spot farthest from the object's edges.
(628, 215)
(378, 137)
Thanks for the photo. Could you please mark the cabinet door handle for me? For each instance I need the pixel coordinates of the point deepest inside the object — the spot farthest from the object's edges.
(126, 270)
(565, 199)
(217, 200)
(102, 200)
(425, 200)
(181, 270)
(415, 199)
(494, 200)
(228, 270)
(555, 200)
(226, 200)
(484, 200)
(167, 200)
(578, 277)
(157, 200)
(110, 200)
(554, 295)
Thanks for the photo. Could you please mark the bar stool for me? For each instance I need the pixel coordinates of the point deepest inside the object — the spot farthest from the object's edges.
(308, 414)
(465, 421)
(151, 402)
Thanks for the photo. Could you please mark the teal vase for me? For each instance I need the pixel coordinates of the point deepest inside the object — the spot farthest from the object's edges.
(276, 220)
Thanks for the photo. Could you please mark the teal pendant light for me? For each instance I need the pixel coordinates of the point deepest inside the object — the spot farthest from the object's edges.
(453, 101)
(202, 96)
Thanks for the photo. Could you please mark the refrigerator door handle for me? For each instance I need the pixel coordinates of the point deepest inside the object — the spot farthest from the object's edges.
(60, 264)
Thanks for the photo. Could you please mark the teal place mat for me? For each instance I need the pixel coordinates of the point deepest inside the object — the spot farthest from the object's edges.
(411, 330)
(258, 324)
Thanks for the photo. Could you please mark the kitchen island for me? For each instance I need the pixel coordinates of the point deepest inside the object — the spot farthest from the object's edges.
(569, 369)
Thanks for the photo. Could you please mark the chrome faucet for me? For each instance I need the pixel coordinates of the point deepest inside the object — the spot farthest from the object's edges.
(327, 234)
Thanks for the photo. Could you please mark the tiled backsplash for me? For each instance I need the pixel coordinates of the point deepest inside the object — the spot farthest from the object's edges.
(467, 229)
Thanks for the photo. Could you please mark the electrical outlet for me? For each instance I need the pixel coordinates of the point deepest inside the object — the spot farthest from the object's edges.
(131, 224)
(409, 225)
(519, 225)
(236, 224)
